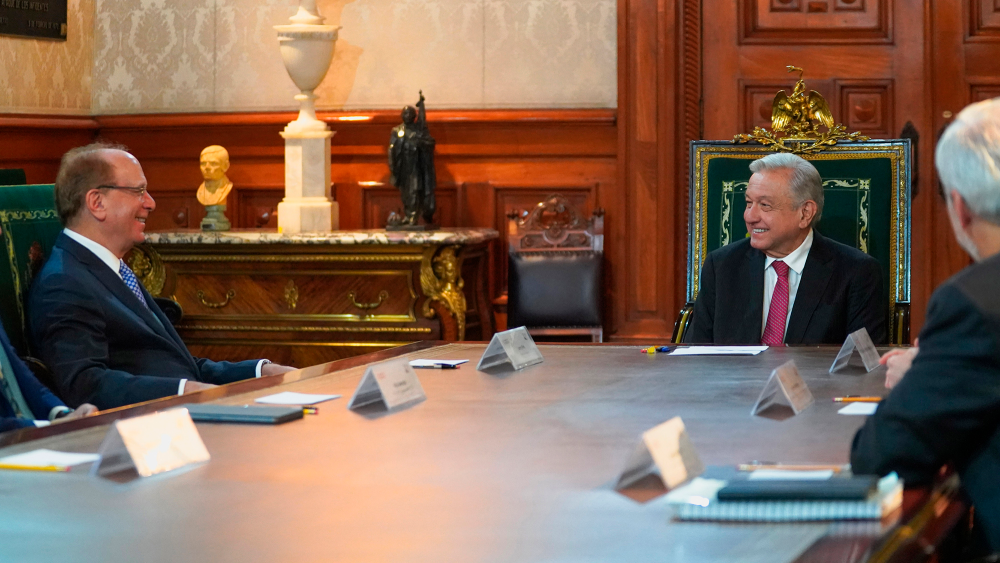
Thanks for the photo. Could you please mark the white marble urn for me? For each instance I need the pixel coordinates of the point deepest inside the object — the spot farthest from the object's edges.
(307, 50)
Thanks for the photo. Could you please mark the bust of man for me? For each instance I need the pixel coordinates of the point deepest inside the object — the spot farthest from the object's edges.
(214, 164)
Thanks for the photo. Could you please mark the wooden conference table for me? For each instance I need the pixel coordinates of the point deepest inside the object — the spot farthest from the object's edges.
(500, 467)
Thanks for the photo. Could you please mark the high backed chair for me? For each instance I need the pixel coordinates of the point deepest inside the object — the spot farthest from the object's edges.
(556, 263)
(867, 191)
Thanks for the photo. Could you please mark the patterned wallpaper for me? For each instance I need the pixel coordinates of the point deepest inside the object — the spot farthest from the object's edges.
(53, 77)
(222, 55)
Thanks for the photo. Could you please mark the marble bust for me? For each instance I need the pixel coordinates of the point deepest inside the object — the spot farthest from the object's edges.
(212, 193)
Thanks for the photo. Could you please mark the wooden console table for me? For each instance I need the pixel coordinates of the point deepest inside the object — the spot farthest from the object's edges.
(312, 298)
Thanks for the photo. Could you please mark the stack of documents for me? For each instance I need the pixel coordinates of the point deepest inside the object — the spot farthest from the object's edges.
(786, 501)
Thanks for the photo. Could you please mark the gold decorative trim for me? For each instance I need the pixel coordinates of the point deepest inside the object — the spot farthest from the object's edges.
(291, 295)
(229, 297)
(297, 258)
(441, 280)
(385, 329)
(5, 218)
(382, 296)
(147, 265)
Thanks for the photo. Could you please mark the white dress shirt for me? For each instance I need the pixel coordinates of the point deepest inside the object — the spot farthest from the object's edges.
(115, 263)
(795, 261)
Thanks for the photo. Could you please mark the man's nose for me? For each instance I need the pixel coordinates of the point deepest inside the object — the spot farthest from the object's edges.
(750, 213)
(148, 202)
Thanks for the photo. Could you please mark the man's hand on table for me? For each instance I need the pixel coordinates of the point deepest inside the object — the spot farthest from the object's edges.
(195, 386)
(81, 411)
(898, 363)
(274, 369)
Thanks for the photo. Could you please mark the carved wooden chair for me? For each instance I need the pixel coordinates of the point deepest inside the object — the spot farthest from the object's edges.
(556, 266)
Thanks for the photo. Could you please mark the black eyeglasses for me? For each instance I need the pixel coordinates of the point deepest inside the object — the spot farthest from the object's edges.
(137, 191)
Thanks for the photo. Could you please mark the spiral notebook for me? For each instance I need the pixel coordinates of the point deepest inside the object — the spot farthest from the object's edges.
(698, 500)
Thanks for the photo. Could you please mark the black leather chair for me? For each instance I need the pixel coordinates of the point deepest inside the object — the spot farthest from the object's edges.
(556, 266)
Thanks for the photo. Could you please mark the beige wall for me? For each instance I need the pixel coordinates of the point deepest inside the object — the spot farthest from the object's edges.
(222, 55)
(45, 76)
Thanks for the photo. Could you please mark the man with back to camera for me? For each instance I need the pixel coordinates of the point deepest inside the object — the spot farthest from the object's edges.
(944, 407)
(91, 322)
(786, 283)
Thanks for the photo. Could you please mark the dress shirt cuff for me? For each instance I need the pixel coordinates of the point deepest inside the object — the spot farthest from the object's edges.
(42, 423)
(56, 411)
(180, 387)
(260, 364)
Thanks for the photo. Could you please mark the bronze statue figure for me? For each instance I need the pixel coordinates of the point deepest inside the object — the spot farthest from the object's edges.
(411, 168)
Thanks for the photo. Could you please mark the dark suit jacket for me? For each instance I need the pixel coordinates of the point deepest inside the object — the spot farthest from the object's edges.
(40, 400)
(102, 345)
(946, 409)
(840, 292)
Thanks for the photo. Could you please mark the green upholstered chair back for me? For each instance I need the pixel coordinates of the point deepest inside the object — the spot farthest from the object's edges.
(12, 177)
(29, 226)
(867, 192)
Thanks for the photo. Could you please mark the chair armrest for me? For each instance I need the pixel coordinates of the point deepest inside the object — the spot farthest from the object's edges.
(171, 309)
(43, 374)
(682, 323)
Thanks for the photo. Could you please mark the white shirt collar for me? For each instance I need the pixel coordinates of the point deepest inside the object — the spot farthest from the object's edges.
(796, 260)
(98, 249)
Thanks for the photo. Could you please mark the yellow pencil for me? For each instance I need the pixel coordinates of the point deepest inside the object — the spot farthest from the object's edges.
(33, 467)
(851, 399)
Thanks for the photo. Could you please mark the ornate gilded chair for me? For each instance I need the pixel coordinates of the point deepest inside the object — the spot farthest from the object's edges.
(556, 265)
(867, 192)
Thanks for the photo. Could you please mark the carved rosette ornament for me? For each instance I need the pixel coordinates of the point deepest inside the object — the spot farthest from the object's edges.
(441, 281)
(148, 268)
(796, 120)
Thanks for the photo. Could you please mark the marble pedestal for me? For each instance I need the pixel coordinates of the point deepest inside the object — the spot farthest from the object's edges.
(215, 218)
(307, 206)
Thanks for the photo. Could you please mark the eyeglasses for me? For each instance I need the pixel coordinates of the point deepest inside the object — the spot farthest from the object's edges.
(137, 191)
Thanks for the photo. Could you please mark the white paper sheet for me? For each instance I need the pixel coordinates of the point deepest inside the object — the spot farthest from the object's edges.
(783, 474)
(432, 364)
(718, 350)
(864, 409)
(290, 398)
(48, 458)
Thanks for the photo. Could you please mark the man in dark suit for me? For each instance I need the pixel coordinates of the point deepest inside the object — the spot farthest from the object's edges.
(98, 330)
(786, 283)
(24, 401)
(944, 408)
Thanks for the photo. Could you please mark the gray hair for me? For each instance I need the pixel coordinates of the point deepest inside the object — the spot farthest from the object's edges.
(968, 158)
(81, 170)
(806, 183)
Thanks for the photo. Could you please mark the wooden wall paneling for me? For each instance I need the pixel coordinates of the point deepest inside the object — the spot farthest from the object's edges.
(257, 208)
(378, 200)
(983, 20)
(37, 143)
(866, 106)
(815, 22)
(177, 210)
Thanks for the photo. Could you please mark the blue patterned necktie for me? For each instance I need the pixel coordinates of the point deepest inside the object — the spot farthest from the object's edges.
(129, 278)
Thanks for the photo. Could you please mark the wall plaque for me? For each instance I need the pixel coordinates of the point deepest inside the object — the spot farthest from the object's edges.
(33, 18)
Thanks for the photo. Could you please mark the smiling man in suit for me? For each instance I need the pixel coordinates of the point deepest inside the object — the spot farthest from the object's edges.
(786, 283)
(94, 325)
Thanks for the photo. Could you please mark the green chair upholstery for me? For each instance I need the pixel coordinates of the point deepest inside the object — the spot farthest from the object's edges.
(867, 193)
(29, 226)
(12, 177)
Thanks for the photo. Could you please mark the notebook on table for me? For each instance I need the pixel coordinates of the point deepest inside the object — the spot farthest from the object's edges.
(700, 500)
(242, 413)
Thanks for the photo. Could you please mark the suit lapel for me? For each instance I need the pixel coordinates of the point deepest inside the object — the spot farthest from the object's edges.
(815, 277)
(753, 296)
(115, 285)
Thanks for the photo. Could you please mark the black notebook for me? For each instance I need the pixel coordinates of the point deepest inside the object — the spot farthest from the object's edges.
(242, 413)
(859, 487)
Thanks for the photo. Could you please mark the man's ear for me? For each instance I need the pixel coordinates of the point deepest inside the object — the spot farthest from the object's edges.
(225, 166)
(807, 211)
(962, 211)
(95, 204)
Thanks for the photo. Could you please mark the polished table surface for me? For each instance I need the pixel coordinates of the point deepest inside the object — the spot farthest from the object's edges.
(515, 466)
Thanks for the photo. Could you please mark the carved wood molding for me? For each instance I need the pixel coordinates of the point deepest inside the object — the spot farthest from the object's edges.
(815, 22)
(17, 121)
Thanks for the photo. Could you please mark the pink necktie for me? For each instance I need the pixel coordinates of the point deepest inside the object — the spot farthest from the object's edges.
(777, 313)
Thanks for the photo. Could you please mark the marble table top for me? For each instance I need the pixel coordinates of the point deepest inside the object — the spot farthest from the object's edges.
(361, 237)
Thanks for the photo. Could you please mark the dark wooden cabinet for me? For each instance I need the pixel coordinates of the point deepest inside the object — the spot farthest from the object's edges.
(307, 299)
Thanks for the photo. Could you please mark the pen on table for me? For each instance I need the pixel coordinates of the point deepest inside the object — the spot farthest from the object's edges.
(310, 410)
(789, 467)
(33, 467)
(438, 366)
(857, 399)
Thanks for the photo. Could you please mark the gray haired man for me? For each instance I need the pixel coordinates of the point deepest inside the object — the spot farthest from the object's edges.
(945, 408)
(786, 283)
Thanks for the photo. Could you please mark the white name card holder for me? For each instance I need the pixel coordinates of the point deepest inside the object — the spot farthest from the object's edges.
(393, 383)
(858, 340)
(666, 450)
(151, 444)
(785, 388)
(514, 346)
